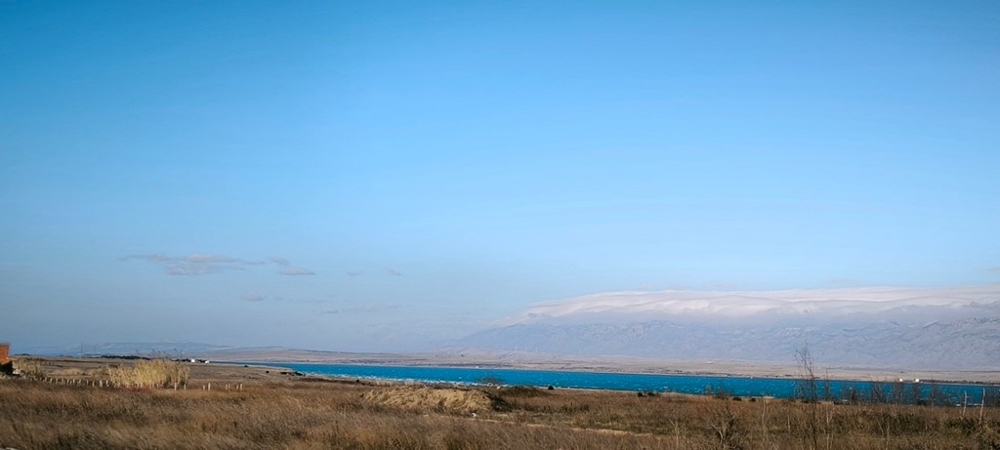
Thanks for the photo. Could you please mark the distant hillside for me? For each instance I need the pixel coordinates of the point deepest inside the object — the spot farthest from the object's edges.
(168, 349)
(959, 344)
(905, 327)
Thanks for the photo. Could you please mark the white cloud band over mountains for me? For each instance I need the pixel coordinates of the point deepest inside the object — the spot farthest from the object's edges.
(845, 303)
(940, 327)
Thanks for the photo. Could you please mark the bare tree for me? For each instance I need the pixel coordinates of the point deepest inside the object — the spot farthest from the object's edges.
(936, 396)
(827, 392)
(916, 391)
(727, 428)
(897, 391)
(809, 390)
(808, 386)
(876, 392)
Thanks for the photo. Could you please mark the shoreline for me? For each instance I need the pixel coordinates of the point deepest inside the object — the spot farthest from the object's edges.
(227, 373)
(275, 359)
(624, 365)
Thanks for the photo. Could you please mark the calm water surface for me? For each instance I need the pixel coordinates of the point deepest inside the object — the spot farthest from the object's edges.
(687, 384)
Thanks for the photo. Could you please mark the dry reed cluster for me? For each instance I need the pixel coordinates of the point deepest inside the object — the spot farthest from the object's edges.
(150, 374)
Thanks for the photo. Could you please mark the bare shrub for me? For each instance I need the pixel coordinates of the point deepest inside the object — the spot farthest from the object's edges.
(727, 429)
(29, 368)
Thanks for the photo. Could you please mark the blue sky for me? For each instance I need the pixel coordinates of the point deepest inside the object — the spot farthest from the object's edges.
(384, 176)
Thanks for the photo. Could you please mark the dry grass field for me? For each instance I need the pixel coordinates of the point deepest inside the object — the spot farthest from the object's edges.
(281, 410)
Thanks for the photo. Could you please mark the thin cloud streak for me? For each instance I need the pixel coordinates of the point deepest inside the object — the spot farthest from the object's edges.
(205, 264)
(279, 261)
(370, 308)
(296, 271)
(190, 269)
(198, 258)
(254, 297)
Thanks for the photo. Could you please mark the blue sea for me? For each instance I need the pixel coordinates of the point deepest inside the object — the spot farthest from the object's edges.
(938, 393)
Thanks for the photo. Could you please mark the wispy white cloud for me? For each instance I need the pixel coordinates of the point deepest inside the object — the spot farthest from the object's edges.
(190, 269)
(296, 271)
(156, 257)
(192, 264)
(204, 264)
(279, 261)
(198, 258)
(254, 297)
(367, 308)
(394, 272)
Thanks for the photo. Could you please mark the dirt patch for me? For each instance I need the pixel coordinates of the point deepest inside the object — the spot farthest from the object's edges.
(430, 399)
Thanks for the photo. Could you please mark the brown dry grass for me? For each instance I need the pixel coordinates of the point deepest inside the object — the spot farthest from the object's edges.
(426, 398)
(307, 414)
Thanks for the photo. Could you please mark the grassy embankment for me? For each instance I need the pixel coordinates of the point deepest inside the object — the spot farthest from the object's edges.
(302, 412)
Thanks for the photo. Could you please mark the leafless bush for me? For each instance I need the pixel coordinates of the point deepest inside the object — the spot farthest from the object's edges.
(728, 430)
(29, 368)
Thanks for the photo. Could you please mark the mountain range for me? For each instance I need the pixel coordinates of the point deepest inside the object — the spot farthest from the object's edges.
(966, 343)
